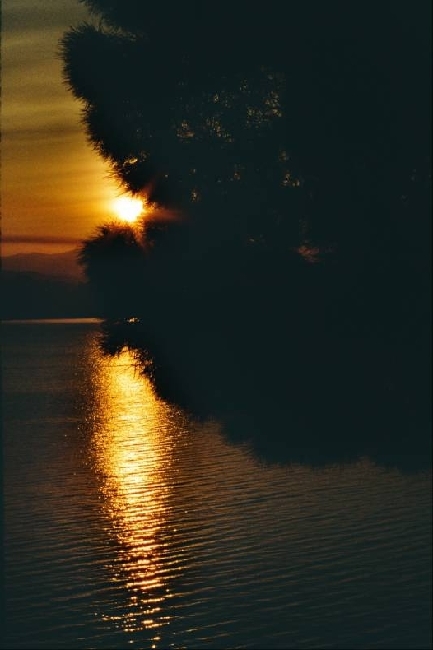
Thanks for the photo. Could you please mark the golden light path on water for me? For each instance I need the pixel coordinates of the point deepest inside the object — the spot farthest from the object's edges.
(133, 457)
(132, 523)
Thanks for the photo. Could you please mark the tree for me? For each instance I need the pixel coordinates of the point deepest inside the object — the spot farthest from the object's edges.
(268, 132)
(114, 263)
(286, 139)
(204, 133)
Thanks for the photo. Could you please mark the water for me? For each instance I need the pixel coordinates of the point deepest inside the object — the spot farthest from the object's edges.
(129, 524)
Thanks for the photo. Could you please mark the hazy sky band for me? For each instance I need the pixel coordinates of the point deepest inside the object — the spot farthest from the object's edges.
(38, 239)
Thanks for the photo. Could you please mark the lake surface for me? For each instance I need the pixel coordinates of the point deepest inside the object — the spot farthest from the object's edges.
(129, 524)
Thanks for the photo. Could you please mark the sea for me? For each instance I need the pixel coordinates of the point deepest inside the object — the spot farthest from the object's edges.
(129, 523)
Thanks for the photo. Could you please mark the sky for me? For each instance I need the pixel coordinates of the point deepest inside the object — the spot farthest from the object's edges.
(55, 189)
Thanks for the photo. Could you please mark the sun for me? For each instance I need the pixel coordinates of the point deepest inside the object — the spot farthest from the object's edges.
(128, 208)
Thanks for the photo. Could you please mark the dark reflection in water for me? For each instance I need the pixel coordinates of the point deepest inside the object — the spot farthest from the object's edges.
(130, 524)
(307, 400)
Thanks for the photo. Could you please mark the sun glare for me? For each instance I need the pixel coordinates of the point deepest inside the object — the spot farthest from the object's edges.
(128, 208)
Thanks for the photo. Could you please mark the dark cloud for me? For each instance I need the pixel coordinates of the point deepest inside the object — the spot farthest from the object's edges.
(17, 15)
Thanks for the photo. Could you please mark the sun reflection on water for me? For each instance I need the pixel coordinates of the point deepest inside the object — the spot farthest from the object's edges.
(133, 440)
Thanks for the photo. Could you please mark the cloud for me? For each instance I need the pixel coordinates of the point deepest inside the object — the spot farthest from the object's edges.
(18, 15)
(52, 180)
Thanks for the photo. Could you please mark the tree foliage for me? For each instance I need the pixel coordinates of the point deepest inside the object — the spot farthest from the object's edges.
(279, 129)
(114, 262)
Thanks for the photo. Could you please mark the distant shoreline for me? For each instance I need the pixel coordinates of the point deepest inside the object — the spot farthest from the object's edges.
(50, 321)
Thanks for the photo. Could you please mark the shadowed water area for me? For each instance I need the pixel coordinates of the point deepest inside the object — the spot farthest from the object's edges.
(130, 523)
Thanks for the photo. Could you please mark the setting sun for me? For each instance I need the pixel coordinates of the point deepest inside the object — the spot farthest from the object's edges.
(128, 208)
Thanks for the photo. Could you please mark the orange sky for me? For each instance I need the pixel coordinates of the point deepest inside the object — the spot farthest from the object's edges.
(55, 188)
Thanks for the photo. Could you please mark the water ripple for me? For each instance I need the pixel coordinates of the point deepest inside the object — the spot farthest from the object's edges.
(127, 523)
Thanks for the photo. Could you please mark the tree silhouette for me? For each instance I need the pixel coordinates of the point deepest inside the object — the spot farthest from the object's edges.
(269, 134)
(208, 138)
(114, 263)
(292, 144)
